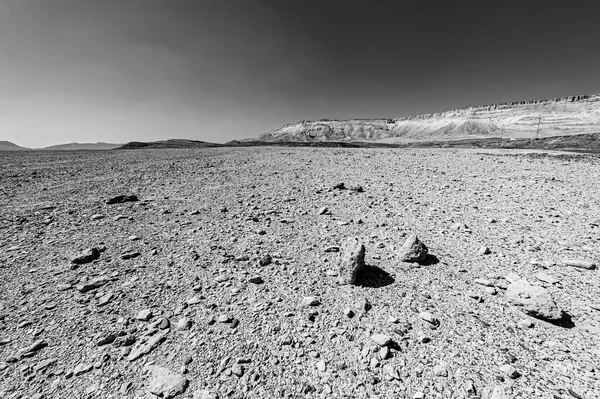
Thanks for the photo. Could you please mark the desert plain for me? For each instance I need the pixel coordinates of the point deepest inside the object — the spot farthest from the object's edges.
(218, 275)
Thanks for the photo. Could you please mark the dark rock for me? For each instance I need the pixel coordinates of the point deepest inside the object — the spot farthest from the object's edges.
(122, 198)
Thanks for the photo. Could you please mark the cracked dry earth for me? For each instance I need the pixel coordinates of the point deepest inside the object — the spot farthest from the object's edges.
(221, 280)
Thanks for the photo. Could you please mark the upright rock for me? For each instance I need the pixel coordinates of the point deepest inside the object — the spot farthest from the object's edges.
(352, 261)
(534, 301)
(413, 250)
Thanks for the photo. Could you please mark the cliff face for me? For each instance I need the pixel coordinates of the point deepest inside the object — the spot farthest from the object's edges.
(556, 117)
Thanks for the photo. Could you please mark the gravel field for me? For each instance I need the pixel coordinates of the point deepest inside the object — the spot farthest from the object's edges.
(217, 274)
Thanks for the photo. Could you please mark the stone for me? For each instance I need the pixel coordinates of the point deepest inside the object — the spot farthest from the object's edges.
(381, 339)
(122, 198)
(484, 282)
(546, 278)
(146, 347)
(440, 370)
(183, 324)
(164, 323)
(310, 301)
(93, 284)
(510, 371)
(321, 366)
(323, 211)
(413, 250)
(130, 255)
(351, 261)
(580, 264)
(349, 313)
(82, 368)
(265, 260)
(87, 256)
(205, 394)
(525, 324)
(512, 277)
(484, 251)
(534, 301)
(500, 392)
(429, 318)
(237, 369)
(390, 371)
(256, 280)
(144, 315)
(165, 383)
(105, 299)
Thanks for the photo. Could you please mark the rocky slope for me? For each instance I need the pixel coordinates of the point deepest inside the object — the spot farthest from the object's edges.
(557, 117)
(214, 273)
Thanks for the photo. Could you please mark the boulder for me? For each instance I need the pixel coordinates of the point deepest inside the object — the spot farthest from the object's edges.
(352, 261)
(165, 383)
(534, 301)
(413, 250)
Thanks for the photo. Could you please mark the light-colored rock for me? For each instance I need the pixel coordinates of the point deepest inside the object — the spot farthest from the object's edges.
(321, 366)
(351, 261)
(440, 370)
(500, 392)
(413, 250)
(205, 394)
(381, 339)
(144, 315)
(165, 383)
(310, 301)
(534, 301)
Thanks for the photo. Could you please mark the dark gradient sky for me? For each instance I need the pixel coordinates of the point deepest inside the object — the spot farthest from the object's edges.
(122, 70)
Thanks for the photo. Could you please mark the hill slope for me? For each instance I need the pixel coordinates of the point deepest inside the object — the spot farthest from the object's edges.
(556, 117)
(8, 146)
(82, 146)
(173, 143)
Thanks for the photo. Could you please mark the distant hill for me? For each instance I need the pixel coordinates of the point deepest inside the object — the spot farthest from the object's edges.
(524, 119)
(8, 146)
(82, 146)
(173, 143)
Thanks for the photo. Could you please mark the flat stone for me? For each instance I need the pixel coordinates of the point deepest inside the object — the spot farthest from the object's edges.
(484, 282)
(165, 383)
(122, 198)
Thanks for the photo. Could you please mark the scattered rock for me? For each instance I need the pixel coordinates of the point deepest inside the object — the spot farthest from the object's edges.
(440, 370)
(510, 371)
(546, 278)
(256, 280)
(265, 260)
(429, 318)
(144, 315)
(146, 347)
(352, 261)
(484, 251)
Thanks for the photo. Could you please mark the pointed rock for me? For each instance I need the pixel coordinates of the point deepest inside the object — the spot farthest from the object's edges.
(413, 250)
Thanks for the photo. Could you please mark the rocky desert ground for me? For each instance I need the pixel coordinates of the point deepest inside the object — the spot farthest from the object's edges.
(223, 273)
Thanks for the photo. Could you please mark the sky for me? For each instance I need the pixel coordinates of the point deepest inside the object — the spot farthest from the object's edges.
(217, 70)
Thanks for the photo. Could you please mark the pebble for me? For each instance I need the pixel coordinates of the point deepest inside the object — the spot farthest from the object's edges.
(484, 251)
(183, 324)
(440, 370)
(525, 324)
(237, 369)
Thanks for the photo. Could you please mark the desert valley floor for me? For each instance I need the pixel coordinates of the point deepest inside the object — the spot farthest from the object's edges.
(221, 280)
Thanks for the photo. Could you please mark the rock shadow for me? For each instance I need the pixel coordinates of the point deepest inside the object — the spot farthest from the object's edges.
(565, 322)
(374, 277)
(430, 260)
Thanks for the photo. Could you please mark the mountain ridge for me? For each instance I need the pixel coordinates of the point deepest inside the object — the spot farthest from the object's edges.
(520, 119)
